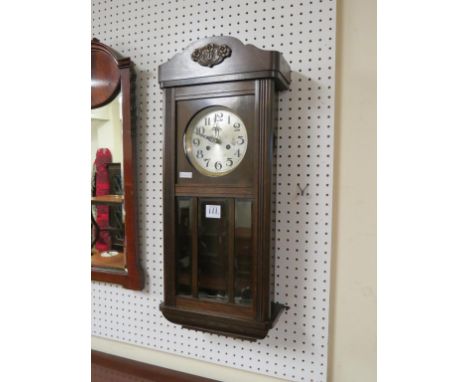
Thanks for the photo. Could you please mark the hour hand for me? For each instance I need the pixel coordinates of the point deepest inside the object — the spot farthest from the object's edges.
(211, 139)
(214, 140)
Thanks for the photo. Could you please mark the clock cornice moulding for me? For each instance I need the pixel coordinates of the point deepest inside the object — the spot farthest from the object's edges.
(246, 62)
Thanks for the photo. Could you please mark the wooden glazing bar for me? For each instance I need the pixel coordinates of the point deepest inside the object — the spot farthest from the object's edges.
(194, 223)
(231, 252)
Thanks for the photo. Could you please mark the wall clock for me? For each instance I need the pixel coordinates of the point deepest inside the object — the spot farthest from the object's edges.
(220, 118)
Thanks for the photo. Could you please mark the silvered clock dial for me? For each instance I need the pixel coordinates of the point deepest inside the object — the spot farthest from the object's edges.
(215, 141)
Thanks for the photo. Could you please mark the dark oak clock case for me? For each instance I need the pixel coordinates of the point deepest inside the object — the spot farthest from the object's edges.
(217, 271)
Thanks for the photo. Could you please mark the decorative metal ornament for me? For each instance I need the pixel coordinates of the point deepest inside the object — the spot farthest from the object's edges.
(211, 54)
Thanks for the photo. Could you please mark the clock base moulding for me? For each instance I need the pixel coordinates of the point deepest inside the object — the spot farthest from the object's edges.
(220, 324)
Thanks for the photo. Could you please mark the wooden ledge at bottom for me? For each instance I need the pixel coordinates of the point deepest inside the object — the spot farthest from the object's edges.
(110, 368)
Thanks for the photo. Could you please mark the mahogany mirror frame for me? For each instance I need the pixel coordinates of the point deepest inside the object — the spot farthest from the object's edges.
(110, 74)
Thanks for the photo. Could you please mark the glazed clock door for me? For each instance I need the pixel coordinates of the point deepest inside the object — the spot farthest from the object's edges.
(214, 191)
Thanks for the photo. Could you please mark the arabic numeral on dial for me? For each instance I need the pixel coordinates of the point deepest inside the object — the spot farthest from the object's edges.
(199, 154)
(218, 117)
(229, 162)
(200, 130)
(207, 121)
(196, 142)
(207, 162)
(218, 165)
(237, 153)
(240, 140)
(236, 126)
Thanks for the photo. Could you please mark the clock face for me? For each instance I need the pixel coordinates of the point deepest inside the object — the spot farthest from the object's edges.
(215, 141)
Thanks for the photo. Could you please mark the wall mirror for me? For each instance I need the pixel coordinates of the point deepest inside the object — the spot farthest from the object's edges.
(114, 247)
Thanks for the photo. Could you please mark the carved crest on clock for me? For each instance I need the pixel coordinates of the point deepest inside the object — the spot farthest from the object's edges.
(211, 54)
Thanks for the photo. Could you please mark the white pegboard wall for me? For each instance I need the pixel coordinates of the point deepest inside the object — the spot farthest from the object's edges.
(151, 32)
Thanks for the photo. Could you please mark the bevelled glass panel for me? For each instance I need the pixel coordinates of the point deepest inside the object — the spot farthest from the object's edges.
(184, 246)
(213, 256)
(243, 252)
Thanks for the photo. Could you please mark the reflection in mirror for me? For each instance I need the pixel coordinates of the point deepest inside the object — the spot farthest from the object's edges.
(107, 194)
